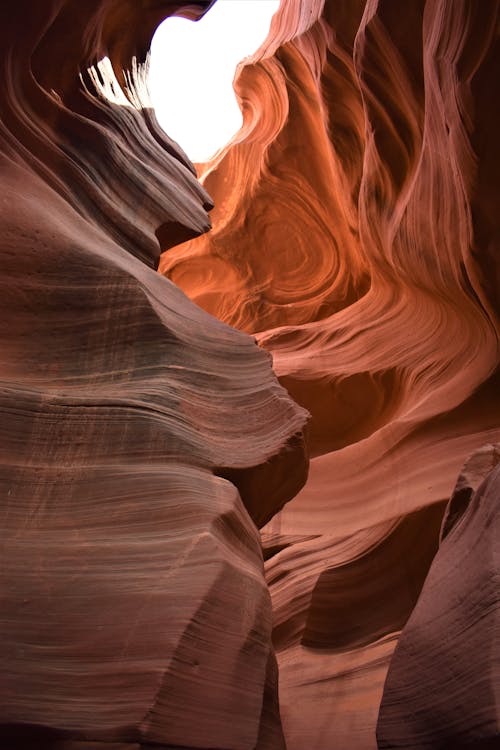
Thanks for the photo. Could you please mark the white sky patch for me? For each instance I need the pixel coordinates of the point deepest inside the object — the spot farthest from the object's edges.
(192, 70)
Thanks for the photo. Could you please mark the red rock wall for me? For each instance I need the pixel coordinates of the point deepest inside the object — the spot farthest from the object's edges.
(355, 233)
(442, 686)
(142, 440)
(134, 427)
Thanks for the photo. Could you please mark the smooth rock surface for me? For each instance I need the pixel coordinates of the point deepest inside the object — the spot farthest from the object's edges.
(443, 685)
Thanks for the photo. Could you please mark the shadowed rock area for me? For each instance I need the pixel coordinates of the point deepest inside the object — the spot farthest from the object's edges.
(442, 689)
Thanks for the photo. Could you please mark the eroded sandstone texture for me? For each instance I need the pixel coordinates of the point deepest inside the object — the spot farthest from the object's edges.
(143, 441)
(442, 690)
(135, 428)
(355, 233)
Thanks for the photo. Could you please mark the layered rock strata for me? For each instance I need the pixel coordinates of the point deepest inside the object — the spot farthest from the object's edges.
(355, 234)
(141, 439)
(442, 690)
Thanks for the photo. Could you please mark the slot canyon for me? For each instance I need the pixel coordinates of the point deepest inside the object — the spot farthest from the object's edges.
(250, 412)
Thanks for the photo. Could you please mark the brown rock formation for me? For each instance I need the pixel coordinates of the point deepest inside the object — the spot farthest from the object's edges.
(442, 690)
(355, 232)
(143, 440)
(134, 607)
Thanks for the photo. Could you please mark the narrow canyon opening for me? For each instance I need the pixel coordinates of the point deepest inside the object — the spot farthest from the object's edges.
(192, 68)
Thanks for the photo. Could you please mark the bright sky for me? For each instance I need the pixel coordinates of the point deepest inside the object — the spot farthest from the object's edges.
(192, 69)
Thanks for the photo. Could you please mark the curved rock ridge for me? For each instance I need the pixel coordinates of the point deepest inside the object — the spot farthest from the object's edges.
(134, 427)
(442, 689)
(355, 234)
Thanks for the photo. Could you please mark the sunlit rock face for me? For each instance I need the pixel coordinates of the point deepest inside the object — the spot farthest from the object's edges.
(355, 234)
(142, 440)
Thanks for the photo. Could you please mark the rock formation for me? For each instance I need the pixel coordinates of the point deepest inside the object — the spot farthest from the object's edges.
(135, 428)
(144, 441)
(355, 234)
(442, 690)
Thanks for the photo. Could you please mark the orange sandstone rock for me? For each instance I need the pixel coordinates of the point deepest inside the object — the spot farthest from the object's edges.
(355, 234)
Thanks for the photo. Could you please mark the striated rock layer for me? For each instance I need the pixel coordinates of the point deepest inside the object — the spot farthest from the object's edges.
(355, 233)
(442, 690)
(141, 439)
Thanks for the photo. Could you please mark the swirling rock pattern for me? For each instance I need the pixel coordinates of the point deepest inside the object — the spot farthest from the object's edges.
(355, 234)
(141, 439)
